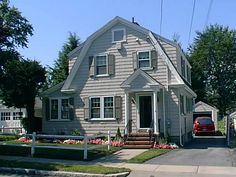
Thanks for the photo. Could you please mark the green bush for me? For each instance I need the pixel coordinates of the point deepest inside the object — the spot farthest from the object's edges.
(163, 141)
(8, 138)
(118, 136)
(76, 132)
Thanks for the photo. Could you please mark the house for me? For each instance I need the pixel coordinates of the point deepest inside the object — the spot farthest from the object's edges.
(10, 119)
(202, 109)
(123, 76)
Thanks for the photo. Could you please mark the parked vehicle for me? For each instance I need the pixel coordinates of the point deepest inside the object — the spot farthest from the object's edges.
(203, 126)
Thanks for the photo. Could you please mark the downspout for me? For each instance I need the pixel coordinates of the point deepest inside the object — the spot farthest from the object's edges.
(180, 127)
(164, 112)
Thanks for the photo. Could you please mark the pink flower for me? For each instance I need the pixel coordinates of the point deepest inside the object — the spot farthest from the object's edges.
(24, 140)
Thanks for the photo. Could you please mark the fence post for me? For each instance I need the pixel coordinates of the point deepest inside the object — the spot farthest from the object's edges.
(33, 144)
(85, 147)
(109, 140)
(2, 129)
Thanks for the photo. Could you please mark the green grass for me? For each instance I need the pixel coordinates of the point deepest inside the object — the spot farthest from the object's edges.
(147, 155)
(57, 153)
(97, 169)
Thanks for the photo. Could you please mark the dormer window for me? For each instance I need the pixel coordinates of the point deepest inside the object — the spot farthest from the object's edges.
(118, 35)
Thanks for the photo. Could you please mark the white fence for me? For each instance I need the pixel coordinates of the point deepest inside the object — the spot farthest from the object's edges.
(14, 129)
(85, 138)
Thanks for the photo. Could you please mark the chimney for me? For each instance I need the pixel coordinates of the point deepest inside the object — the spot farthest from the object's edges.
(134, 22)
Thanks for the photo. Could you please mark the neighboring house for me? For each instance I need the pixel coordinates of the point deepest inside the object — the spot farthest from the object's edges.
(10, 118)
(123, 76)
(202, 109)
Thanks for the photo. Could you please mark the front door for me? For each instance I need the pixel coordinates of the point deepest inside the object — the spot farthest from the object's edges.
(145, 111)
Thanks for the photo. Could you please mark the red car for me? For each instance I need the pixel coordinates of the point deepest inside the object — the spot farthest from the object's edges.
(203, 126)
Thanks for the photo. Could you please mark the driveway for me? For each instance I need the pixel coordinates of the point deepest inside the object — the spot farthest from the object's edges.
(204, 151)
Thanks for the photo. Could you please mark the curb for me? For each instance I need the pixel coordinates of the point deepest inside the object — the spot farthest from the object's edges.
(58, 173)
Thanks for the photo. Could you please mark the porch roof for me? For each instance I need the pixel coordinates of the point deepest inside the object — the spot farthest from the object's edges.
(140, 80)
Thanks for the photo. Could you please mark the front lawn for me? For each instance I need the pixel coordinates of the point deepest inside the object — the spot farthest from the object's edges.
(69, 154)
(96, 169)
(147, 155)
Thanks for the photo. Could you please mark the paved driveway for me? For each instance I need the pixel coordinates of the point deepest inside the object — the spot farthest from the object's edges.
(201, 152)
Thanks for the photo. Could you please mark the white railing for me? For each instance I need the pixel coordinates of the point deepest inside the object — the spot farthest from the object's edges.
(85, 138)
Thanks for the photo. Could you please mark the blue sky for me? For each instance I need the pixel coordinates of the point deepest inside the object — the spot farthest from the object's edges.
(54, 19)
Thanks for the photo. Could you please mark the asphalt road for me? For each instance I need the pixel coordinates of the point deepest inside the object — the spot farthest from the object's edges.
(200, 152)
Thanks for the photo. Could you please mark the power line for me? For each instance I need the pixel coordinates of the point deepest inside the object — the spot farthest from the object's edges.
(208, 12)
(161, 15)
(190, 30)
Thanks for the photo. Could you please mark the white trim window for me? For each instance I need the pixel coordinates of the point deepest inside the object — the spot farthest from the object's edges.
(118, 35)
(101, 65)
(102, 107)
(183, 67)
(59, 109)
(16, 115)
(5, 116)
(144, 59)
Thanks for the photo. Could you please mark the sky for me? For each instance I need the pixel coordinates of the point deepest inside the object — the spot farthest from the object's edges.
(52, 20)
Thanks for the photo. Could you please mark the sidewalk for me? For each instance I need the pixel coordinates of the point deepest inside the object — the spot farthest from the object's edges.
(119, 160)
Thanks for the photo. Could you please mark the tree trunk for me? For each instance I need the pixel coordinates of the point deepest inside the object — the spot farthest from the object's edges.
(30, 116)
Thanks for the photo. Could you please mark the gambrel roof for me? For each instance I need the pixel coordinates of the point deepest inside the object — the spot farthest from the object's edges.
(154, 38)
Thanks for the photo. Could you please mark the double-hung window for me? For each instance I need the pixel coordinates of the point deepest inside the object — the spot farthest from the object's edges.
(101, 65)
(144, 59)
(5, 115)
(59, 109)
(102, 107)
(16, 115)
(183, 67)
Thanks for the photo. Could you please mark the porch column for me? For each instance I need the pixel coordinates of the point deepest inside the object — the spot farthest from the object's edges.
(126, 112)
(155, 112)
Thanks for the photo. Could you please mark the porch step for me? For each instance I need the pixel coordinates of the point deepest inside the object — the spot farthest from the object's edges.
(139, 139)
(137, 142)
(142, 134)
(137, 146)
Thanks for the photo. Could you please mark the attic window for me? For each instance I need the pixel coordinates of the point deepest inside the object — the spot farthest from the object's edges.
(118, 35)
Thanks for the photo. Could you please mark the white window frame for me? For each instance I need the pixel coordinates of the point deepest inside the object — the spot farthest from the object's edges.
(150, 60)
(100, 55)
(59, 99)
(2, 112)
(102, 118)
(113, 35)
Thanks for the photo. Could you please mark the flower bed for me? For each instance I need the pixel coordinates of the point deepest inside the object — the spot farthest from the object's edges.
(71, 141)
(166, 146)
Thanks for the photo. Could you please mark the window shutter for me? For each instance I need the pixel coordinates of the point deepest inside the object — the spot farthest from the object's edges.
(154, 59)
(86, 108)
(111, 64)
(91, 66)
(118, 107)
(135, 60)
(47, 108)
(71, 108)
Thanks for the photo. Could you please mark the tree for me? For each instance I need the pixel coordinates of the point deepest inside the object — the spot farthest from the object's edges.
(60, 71)
(14, 28)
(213, 60)
(22, 80)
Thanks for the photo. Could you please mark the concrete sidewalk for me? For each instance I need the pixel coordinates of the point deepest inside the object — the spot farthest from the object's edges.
(119, 159)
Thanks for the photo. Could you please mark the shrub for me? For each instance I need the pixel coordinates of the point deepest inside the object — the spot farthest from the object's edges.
(162, 141)
(8, 138)
(76, 132)
(118, 136)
